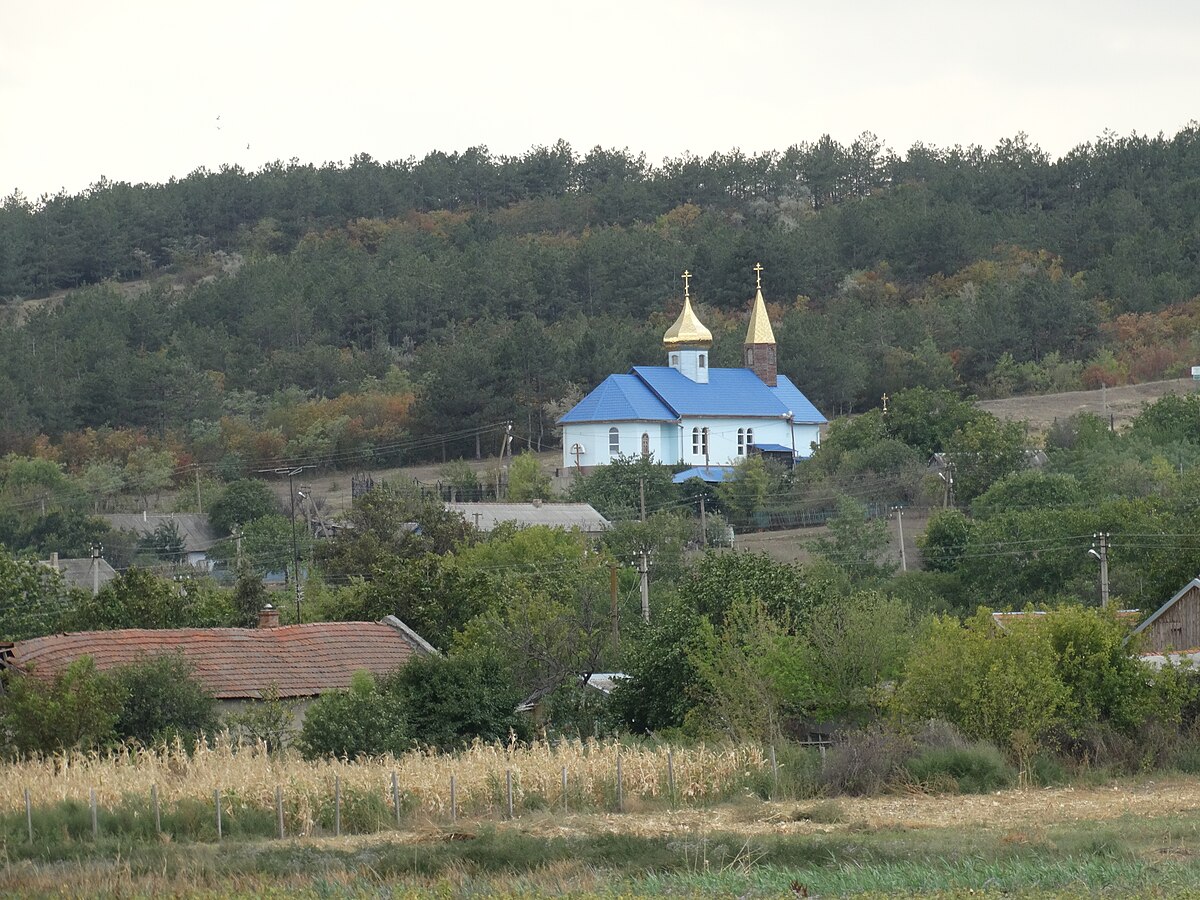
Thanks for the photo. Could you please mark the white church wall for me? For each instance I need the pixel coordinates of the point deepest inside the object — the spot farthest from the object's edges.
(596, 441)
(723, 438)
(806, 436)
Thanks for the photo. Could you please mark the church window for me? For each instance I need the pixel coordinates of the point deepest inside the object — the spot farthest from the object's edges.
(614, 441)
(696, 441)
(749, 439)
(741, 442)
(702, 362)
(645, 444)
(749, 356)
(675, 360)
(700, 441)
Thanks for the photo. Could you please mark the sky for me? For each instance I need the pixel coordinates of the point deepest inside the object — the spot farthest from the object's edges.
(144, 91)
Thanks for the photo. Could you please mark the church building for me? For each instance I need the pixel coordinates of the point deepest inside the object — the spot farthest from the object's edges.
(689, 412)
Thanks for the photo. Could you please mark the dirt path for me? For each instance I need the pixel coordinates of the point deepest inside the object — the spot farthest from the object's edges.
(1121, 403)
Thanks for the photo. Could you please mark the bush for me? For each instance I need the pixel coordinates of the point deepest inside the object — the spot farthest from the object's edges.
(78, 709)
(363, 721)
(866, 761)
(975, 769)
(161, 700)
(452, 700)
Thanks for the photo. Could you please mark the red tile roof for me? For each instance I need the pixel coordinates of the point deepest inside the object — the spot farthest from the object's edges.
(237, 663)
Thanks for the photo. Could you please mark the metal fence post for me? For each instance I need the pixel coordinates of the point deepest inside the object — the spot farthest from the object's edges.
(29, 815)
(396, 796)
(620, 786)
(279, 809)
(337, 805)
(217, 804)
(508, 790)
(774, 774)
(453, 799)
(95, 817)
(564, 788)
(671, 774)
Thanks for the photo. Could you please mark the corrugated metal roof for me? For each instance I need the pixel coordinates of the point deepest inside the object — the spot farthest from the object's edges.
(711, 474)
(198, 535)
(238, 663)
(553, 515)
(793, 399)
(663, 394)
(620, 398)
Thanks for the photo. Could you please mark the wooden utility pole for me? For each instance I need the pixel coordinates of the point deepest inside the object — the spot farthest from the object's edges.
(199, 505)
(703, 523)
(642, 496)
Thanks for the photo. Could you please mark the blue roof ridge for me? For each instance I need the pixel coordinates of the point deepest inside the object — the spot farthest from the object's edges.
(650, 388)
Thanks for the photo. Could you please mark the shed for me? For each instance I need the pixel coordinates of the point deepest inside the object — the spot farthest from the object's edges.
(1174, 626)
(194, 529)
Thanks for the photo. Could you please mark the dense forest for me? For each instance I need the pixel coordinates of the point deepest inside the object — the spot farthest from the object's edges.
(382, 310)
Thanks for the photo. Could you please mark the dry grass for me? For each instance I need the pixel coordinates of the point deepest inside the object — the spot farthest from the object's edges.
(247, 777)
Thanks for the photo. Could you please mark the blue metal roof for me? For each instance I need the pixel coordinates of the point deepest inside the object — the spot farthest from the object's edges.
(773, 448)
(791, 397)
(711, 474)
(620, 398)
(662, 394)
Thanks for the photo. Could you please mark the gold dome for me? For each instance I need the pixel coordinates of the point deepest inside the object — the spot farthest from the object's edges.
(688, 330)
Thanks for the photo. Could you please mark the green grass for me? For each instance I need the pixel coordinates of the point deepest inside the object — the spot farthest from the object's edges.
(1126, 856)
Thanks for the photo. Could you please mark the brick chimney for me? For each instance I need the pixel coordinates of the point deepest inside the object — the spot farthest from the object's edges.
(268, 617)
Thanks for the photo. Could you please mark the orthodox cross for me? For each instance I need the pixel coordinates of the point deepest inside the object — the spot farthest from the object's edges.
(885, 400)
(687, 276)
(758, 270)
(577, 450)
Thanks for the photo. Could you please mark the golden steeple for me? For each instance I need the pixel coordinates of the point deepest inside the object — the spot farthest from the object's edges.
(759, 331)
(688, 329)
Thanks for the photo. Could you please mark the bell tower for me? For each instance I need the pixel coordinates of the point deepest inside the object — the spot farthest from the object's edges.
(759, 347)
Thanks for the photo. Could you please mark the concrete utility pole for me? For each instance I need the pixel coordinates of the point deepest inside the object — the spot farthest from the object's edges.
(642, 496)
(703, 523)
(1101, 553)
(97, 551)
(643, 562)
(900, 524)
(616, 619)
(291, 473)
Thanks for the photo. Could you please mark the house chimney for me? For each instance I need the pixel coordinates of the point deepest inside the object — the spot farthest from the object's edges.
(268, 617)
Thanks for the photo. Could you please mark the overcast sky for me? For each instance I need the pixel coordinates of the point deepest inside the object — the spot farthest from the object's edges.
(143, 90)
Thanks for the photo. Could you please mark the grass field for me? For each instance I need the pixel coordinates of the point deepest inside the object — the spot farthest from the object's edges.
(714, 835)
(1135, 838)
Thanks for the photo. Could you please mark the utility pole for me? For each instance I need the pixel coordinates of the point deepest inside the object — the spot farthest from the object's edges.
(900, 523)
(291, 473)
(703, 523)
(1101, 553)
(643, 562)
(616, 619)
(642, 496)
(199, 505)
(97, 551)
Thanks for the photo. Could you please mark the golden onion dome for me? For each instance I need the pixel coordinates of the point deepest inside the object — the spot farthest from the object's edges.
(688, 330)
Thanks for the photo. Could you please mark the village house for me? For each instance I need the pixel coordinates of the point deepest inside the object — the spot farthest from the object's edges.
(237, 665)
(197, 535)
(486, 516)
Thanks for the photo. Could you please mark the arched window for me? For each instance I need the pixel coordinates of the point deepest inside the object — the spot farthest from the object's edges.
(614, 442)
(675, 360)
(741, 442)
(704, 442)
(749, 356)
(696, 442)
(749, 439)
(645, 444)
(702, 362)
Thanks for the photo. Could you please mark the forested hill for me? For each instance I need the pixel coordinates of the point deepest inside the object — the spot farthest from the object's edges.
(301, 310)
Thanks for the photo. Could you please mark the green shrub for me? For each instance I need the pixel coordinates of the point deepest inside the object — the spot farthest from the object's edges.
(162, 700)
(78, 709)
(975, 769)
(363, 720)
